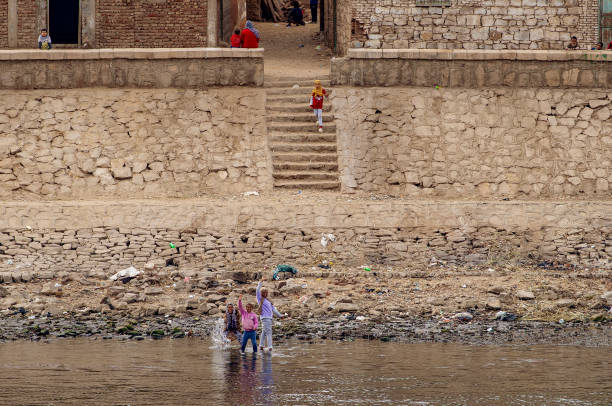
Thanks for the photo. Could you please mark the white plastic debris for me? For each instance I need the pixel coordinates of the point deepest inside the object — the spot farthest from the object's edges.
(28, 227)
(130, 272)
(58, 285)
(325, 238)
(251, 193)
(296, 86)
(360, 318)
(9, 262)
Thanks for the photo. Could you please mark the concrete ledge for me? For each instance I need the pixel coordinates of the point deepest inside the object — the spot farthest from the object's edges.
(128, 53)
(135, 68)
(480, 54)
(473, 68)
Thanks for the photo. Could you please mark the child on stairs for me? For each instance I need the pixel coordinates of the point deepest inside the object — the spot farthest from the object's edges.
(316, 103)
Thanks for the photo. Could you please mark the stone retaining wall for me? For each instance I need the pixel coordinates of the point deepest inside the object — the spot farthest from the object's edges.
(86, 143)
(466, 143)
(239, 233)
(473, 69)
(135, 68)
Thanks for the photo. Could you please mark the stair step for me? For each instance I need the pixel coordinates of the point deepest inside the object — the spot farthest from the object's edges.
(294, 108)
(294, 127)
(302, 184)
(305, 166)
(280, 91)
(301, 82)
(303, 175)
(303, 117)
(295, 147)
(285, 157)
(301, 98)
(316, 137)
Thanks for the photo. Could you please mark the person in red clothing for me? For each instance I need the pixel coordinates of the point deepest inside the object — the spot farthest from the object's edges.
(610, 45)
(316, 103)
(235, 39)
(249, 37)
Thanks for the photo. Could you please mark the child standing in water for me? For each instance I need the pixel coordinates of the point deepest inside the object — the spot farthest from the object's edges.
(316, 103)
(266, 312)
(232, 323)
(249, 324)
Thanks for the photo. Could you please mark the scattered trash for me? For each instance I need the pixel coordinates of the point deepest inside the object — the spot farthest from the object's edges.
(251, 193)
(318, 47)
(464, 286)
(126, 274)
(360, 318)
(325, 238)
(58, 285)
(465, 316)
(301, 46)
(489, 329)
(28, 227)
(491, 270)
(366, 268)
(283, 268)
(304, 299)
(416, 287)
(296, 86)
(324, 266)
(437, 87)
(172, 245)
(9, 262)
(187, 279)
(561, 321)
(505, 316)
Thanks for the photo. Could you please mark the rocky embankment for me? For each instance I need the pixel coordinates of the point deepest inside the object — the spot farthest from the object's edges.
(442, 303)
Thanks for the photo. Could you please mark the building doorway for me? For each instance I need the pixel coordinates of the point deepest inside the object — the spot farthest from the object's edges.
(606, 22)
(64, 26)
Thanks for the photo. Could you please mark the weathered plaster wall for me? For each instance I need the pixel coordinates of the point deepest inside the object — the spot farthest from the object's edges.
(475, 143)
(95, 143)
(86, 236)
(140, 68)
(473, 69)
(475, 24)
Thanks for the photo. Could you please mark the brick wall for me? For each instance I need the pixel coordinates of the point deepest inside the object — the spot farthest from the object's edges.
(3, 24)
(27, 34)
(474, 24)
(151, 23)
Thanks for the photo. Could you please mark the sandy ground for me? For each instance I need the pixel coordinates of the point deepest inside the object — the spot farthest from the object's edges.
(292, 51)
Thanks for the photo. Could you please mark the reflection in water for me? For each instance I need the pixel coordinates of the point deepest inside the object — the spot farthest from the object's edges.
(189, 372)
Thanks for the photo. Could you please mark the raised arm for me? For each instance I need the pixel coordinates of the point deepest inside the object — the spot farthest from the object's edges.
(240, 308)
(258, 293)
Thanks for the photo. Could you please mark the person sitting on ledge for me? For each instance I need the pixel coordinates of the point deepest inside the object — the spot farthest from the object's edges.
(573, 44)
(597, 47)
(44, 40)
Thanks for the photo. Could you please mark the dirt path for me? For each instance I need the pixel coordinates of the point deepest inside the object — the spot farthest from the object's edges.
(292, 51)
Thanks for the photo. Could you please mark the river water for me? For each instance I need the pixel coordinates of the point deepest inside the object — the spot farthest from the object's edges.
(190, 372)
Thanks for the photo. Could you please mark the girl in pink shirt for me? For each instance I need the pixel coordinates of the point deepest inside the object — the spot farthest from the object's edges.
(249, 325)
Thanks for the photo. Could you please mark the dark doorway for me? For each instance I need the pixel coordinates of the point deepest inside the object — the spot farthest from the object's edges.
(64, 21)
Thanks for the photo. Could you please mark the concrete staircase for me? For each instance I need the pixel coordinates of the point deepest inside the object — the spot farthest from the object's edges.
(302, 157)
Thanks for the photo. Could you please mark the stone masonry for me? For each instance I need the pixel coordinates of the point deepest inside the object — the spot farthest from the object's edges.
(132, 143)
(462, 143)
(474, 24)
(139, 68)
(237, 233)
(473, 68)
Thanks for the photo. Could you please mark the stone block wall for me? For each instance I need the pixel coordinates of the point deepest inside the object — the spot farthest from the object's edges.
(87, 236)
(139, 68)
(473, 69)
(475, 143)
(475, 24)
(97, 143)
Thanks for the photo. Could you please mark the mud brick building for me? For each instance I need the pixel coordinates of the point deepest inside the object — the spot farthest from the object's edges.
(119, 23)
